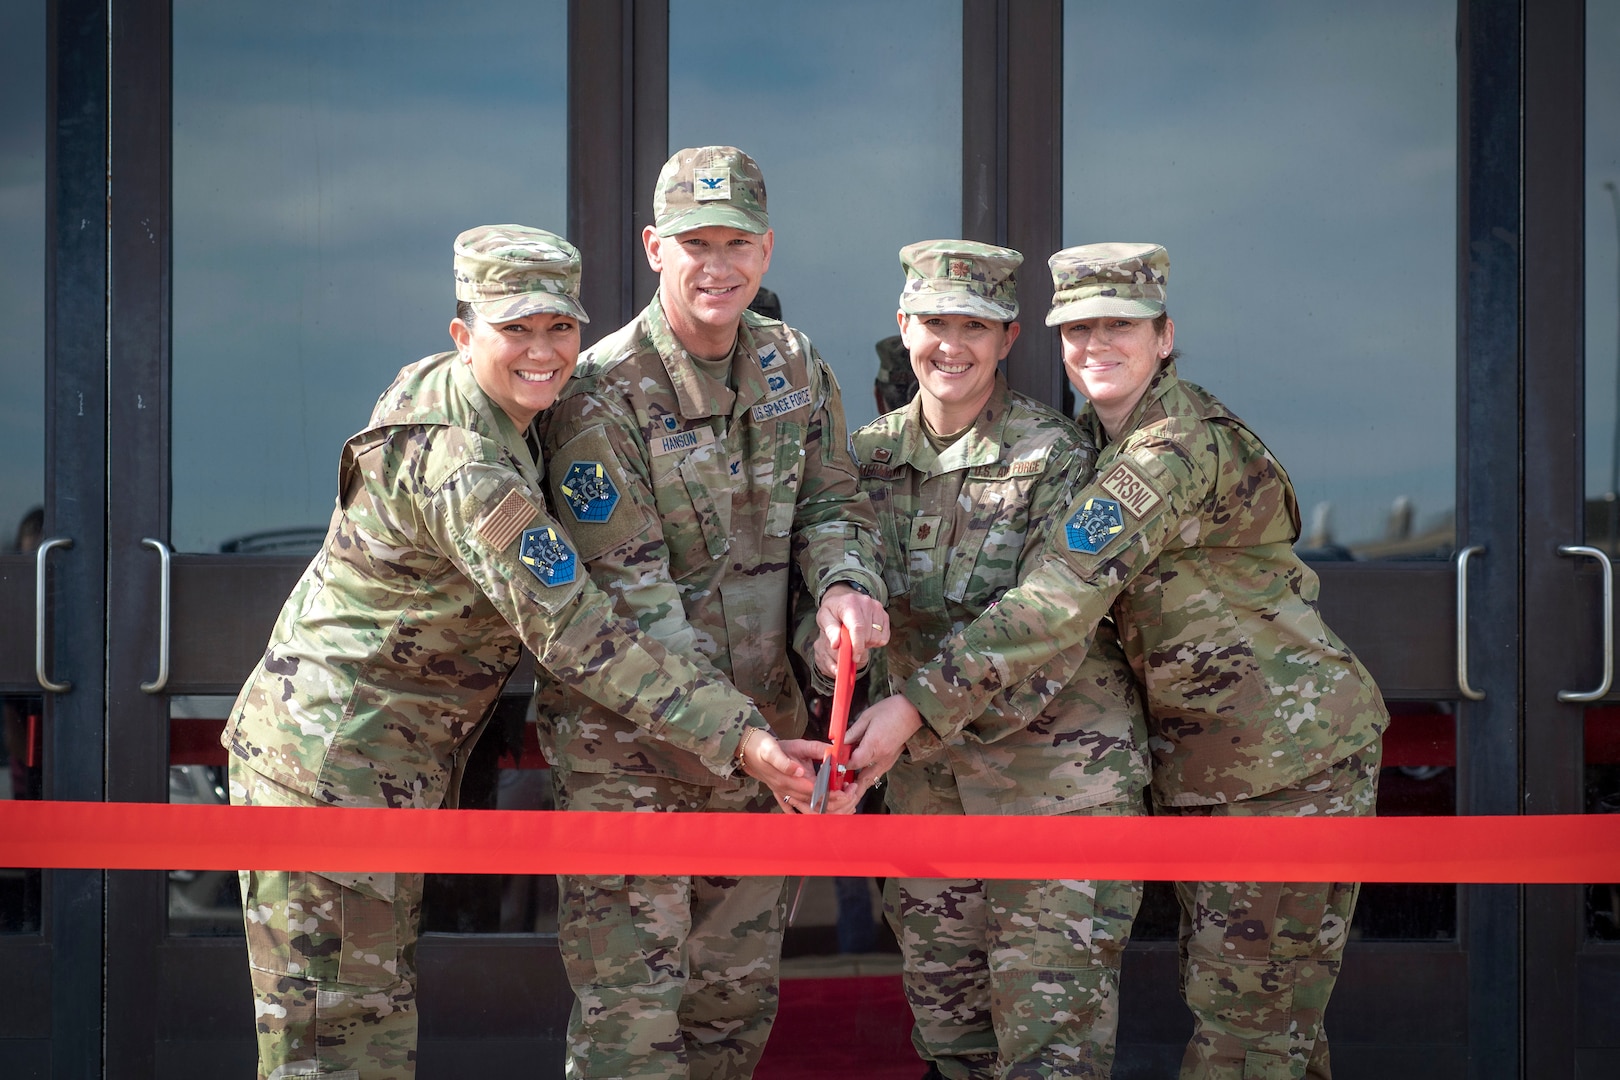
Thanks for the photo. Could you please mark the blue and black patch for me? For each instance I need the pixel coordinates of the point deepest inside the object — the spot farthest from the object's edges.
(589, 491)
(546, 553)
(1094, 525)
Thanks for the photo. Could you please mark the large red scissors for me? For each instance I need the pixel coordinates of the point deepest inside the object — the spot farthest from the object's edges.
(834, 771)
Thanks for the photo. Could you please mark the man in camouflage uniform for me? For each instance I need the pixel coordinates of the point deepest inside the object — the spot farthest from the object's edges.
(1005, 978)
(713, 445)
(1255, 707)
(440, 565)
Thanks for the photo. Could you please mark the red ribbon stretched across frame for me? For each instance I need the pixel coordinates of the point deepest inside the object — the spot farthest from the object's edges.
(154, 836)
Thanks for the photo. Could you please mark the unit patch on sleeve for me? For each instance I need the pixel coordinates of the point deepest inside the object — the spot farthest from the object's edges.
(588, 491)
(1134, 493)
(552, 560)
(501, 525)
(1094, 525)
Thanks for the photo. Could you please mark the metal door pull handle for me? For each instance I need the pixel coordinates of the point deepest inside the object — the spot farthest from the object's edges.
(1608, 622)
(162, 679)
(40, 558)
(1463, 686)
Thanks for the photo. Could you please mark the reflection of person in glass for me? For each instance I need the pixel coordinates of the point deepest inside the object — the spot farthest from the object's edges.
(722, 435)
(1255, 707)
(441, 563)
(20, 716)
(1005, 978)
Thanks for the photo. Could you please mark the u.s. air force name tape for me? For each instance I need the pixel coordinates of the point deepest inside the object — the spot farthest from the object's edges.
(1533, 849)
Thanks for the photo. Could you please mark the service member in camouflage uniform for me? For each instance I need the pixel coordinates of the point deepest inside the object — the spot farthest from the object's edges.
(440, 564)
(698, 458)
(1005, 978)
(1254, 706)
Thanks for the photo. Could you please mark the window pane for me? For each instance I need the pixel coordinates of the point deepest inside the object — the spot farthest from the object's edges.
(22, 265)
(325, 156)
(1298, 162)
(1602, 742)
(859, 136)
(22, 396)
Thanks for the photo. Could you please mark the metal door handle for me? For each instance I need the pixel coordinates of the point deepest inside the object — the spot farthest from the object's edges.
(1463, 688)
(40, 557)
(1608, 623)
(162, 679)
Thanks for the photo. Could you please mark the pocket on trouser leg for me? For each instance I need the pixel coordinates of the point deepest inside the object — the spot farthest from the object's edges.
(940, 925)
(1245, 1021)
(303, 1030)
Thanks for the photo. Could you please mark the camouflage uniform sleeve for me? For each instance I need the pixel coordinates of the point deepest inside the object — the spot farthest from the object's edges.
(1116, 526)
(494, 527)
(835, 534)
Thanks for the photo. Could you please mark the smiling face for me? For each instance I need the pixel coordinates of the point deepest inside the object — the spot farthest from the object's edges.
(707, 277)
(955, 358)
(522, 363)
(1111, 360)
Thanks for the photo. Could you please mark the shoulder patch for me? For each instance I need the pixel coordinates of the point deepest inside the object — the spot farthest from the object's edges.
(588, 491)
(1094, 525)
(1131, 489)
(770, 356)
(501, 525)
(548, 556)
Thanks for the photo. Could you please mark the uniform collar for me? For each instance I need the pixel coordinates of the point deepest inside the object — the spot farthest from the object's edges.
(489, 419)
(697, 395)
(980, 445)
(1163, 381)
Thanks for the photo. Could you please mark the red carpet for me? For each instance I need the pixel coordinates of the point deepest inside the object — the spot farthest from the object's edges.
(841, 1027)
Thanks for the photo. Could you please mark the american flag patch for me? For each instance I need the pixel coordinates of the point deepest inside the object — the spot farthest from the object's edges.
(502, 525)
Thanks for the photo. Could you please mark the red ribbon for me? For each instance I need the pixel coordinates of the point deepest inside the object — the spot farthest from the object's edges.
(154, 836)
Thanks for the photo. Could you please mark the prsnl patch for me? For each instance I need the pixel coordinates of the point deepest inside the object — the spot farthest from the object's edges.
(545, 553)
(1094, 525)
(589, 491)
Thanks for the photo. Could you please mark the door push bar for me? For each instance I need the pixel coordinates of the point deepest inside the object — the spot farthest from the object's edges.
(41, 557)
(1582, 551)
(1463, 686)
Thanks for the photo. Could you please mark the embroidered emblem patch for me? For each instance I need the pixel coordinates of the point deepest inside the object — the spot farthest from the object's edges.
(589, 492)
(770, 356)
(709, 185)
(776, 382)
(1094, 525)
(501, 525)
(882, 454)
(924, 532)
(545, 553)
(1126, 484)
(670, 423)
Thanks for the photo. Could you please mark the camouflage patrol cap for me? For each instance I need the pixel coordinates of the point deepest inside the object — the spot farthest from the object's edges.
(960, 277)
(509, 271)
(709, 185)
(1093, 280)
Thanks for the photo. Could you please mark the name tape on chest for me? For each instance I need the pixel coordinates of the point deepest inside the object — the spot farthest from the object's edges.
(501, 525)
(548, 556)
(690, 439)
(792, 401)
(1126, 484)
(589, 491)
(1093, 525)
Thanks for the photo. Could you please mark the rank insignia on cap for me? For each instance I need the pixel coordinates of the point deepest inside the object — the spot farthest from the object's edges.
(589, 491)
(709, 185)
(544, 552)
(1094, 525)
(770, 356)
(670, 423)
(960, 269)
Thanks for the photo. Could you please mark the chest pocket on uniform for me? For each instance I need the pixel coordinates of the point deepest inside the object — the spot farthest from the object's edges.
(789, 470)
(985, 563)
(702, 480)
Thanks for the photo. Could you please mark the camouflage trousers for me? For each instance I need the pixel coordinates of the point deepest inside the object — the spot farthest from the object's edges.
(673, 976)
(332, 961)
(1014, 980)
(1259, 959)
